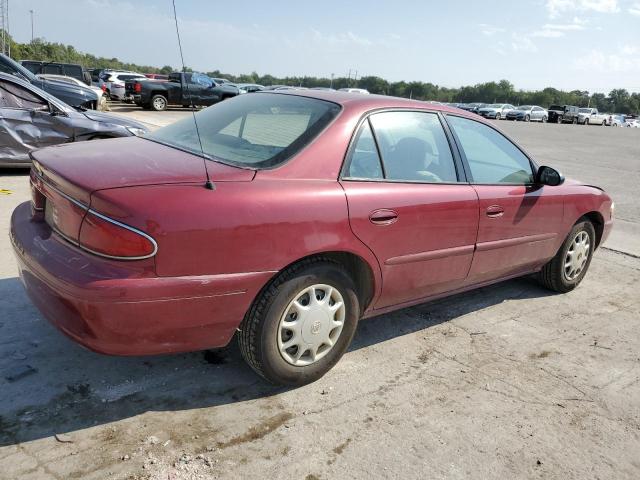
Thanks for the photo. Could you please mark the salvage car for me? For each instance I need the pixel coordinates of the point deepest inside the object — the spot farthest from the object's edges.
(73, 95)
(102, 99)
(31, 118)
(283, 218)
(183, 89)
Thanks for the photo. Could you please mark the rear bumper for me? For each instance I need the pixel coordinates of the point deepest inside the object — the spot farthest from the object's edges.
(123, 308)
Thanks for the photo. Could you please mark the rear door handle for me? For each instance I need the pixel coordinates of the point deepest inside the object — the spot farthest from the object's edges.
(494, 211)
(383, 216)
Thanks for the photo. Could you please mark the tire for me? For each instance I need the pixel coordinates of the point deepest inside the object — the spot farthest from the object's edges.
(553, 275)
(575, 120)
(158, 103)
(544, 119)
(498, 116)
(604, 123)
(586, 121)
(261, 334)
(527, 118)
(558, 119)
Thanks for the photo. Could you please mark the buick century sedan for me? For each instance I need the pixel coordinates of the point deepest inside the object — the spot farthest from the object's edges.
(286, 217)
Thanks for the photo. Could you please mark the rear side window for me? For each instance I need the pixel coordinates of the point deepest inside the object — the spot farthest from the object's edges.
(256, 131)
(413, 147)
(492, 158)
(365, 161)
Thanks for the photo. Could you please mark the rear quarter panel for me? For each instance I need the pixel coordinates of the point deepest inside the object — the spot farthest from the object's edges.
(240, 227)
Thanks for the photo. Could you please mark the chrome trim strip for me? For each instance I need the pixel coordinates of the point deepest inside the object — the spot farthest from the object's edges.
(511, 242)
(431, 255)
(127, 227)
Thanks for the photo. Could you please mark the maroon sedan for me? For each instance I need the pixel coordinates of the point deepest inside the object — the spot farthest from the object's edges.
(286, 217)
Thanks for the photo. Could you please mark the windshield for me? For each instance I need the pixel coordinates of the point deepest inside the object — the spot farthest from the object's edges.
(525, 107)
(584, 110)
(495, 105)
(13, 67)
(556, 107)
(261, 130)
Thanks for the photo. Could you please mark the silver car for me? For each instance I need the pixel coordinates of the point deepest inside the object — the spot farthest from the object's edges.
(496, 110)
(529, 113)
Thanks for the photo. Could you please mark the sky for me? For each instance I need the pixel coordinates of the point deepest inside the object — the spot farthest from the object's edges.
(591, 45)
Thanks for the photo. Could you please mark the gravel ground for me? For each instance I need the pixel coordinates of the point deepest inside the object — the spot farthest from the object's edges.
(509, 381)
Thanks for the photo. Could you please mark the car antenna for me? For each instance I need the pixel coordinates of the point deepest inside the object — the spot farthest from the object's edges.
(208, 184)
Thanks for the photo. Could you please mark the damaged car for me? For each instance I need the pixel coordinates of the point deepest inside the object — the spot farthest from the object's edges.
(31, 118)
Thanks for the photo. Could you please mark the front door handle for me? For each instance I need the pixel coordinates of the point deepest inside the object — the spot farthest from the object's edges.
(383, 216)
(494, 211)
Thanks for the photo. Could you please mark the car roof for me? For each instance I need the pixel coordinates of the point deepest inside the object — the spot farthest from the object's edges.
(358, 101)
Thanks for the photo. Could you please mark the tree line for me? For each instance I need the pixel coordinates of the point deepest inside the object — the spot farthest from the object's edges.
(617, 100)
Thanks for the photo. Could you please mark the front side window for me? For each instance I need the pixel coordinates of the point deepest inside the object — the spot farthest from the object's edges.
(15, 96)
(200, 79)
(255, 131)
(491, 157)
(414, 147)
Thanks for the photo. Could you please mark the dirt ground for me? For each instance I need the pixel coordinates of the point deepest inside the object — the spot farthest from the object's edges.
(508, 381)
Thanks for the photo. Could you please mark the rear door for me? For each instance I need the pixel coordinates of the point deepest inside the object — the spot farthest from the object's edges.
(519, 221)
(409, 203)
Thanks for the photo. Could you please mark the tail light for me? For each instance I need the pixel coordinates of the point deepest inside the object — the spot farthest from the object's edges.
(109, 238)
(103, 87)
(137, 87)
(37, 199)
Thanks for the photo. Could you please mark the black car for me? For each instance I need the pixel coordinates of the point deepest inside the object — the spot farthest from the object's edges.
(70, 94)
(563, 114)
(31, 118)
(57, 68)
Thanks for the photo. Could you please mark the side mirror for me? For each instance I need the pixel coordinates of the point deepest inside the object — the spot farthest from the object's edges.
(549, 176)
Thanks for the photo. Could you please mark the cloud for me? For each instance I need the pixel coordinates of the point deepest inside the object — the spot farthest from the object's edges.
(521, 43)
(490, 30)
(555, 8)
(544, 33)
(625, 60)
(634, 9)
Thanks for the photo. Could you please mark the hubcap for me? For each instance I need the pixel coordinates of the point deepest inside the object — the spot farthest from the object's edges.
(158, 103)
(577, 256)
(311, 325)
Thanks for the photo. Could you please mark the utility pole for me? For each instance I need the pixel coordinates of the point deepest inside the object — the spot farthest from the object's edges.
(31, 12)
(331, 80)
(4, 25)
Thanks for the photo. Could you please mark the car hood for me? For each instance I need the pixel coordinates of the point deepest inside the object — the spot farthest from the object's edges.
(113, 119)
(78, 169)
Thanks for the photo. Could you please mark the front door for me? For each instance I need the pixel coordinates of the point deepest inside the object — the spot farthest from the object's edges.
(519, 220)
(408, 204)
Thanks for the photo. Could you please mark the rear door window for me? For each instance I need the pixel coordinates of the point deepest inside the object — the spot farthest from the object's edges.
(413, 147)
(18, 97)
(365, 162)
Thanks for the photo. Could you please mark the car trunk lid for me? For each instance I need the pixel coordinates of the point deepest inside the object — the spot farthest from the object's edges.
(81, 168)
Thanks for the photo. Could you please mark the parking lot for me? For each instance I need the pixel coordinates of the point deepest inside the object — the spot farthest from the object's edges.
(509, 381)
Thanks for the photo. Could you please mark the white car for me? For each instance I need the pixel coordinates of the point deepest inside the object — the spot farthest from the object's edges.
(616, 121)
(114, 81)
(354, 90)
(632, 123)
(102, 99)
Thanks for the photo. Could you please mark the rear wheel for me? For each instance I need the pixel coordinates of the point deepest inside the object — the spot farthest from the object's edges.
(544, 119)
(498, 116)
(158, 103)
(586, 121)
(558, 119)
(566, 270)
(575, 120)
(301, 324)
(604, 123)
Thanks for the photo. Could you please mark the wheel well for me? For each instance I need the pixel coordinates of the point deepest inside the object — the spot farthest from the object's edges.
(598, 224)
(357, 268)
(153, 94)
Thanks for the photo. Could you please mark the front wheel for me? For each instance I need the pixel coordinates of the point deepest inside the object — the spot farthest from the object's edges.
(544, 119)
(565, 271)
(575, 120)
(527, 118)
(586, 121)
(301, 324)
(498, 116)
(558, 119)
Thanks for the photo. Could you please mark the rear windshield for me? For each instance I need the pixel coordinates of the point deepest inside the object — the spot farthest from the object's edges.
(260, 130)
(556, 107)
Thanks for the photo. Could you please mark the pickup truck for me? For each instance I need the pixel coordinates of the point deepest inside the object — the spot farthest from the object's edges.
(183, 89)
(563, 114)
(591, 116)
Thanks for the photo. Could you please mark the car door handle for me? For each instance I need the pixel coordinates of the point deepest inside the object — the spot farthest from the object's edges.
(383, 216)
(494, 211)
